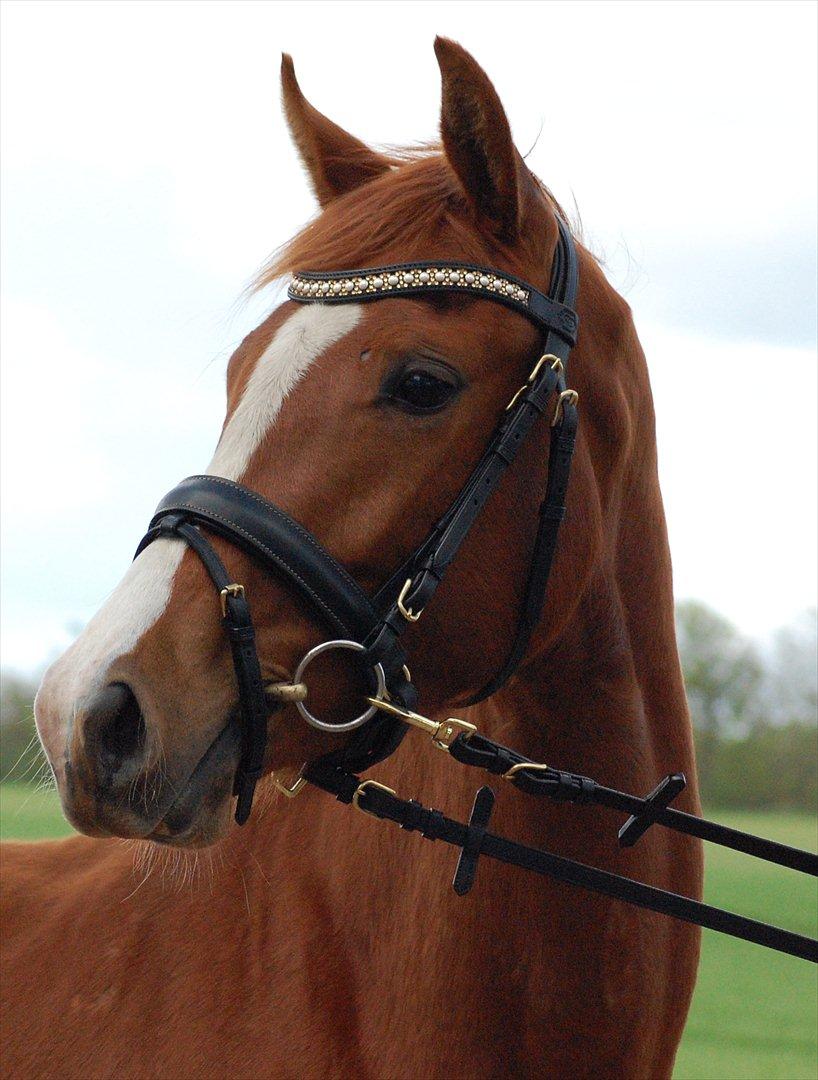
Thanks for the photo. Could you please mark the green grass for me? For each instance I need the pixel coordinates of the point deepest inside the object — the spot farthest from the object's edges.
(28, 814)
(754, 1014)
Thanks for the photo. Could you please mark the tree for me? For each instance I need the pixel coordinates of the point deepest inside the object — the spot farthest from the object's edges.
(792, 687)
(723, 671)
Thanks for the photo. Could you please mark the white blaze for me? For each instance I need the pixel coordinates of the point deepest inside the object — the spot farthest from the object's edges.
(143, 594)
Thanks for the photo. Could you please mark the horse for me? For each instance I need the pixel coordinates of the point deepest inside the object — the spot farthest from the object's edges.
(316, 942)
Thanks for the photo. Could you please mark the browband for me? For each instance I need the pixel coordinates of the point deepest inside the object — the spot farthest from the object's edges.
(406, 279)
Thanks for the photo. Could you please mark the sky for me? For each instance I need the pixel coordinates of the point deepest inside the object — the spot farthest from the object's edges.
(147, 173)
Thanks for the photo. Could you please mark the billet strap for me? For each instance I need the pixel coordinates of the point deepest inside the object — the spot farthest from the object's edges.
(552, 512)
(412, 816)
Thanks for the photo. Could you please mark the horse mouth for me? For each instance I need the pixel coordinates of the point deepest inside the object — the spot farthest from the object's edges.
(200, 812)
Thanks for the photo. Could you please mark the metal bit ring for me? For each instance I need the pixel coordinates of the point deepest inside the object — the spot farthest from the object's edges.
(349, 725)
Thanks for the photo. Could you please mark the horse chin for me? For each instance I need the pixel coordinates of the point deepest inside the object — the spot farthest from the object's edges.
(201, 812)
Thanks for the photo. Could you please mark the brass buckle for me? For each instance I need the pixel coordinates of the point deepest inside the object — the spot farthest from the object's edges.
(406, 612)
(361, 788)
(546, 358)
(230, 590)
(521, 766)
(294, 787)
(556, 365)
(442, 734)
(569, 396)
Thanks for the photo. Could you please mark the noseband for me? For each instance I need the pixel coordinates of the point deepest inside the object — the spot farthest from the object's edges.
(373, 626)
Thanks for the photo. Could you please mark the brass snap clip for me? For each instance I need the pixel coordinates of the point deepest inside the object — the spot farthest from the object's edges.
(442, 733)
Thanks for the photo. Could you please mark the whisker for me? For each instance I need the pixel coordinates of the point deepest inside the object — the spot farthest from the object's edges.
(10, 774)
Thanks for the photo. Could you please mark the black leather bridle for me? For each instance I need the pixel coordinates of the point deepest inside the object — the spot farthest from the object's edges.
(286, 549)
(373, 626)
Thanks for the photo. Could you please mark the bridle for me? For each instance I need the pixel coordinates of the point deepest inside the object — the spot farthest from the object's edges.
(372, 627)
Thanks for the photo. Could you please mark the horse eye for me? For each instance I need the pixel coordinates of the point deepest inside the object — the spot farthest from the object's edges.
(421, 390)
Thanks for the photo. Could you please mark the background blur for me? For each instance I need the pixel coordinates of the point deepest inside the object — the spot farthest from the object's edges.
(147, 172)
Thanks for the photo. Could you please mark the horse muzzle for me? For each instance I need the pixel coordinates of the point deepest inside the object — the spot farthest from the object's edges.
(116, 780)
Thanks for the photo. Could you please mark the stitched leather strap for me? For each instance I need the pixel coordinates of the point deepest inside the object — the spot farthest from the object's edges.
(264, 531)
(261, 529)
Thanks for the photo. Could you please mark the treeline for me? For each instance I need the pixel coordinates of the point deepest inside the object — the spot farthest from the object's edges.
(754, 711)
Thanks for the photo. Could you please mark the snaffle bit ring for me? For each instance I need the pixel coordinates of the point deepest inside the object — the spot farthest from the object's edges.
(380, 691)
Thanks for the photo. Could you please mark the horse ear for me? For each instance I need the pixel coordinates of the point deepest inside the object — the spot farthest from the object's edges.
(336, 161)
(477, 139)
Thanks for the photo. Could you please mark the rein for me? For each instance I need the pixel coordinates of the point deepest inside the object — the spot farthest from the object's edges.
(468, 747)
(372, 627)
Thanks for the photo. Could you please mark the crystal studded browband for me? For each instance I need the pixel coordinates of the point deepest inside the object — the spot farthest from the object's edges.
(428, 277)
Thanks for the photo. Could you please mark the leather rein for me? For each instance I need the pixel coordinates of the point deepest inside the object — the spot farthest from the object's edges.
(372, 626)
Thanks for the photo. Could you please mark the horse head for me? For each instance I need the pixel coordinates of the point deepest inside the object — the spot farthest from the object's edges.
(361, 421)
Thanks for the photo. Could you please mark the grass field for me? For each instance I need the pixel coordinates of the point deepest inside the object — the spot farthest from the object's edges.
(755, 1013)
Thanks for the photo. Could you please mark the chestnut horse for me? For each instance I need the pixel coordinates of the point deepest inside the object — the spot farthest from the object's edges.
(315, 941)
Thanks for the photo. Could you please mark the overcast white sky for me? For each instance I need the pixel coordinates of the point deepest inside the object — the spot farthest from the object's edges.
(146, 172)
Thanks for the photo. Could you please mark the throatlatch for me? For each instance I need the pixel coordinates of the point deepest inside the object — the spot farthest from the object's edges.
(371, 627)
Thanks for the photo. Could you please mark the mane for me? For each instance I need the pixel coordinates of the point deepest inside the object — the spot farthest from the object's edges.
(417, 210)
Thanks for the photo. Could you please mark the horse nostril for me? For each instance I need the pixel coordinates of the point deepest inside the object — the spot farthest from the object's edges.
(114, 729)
